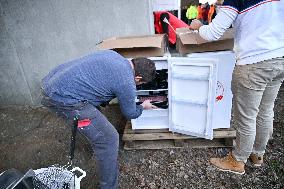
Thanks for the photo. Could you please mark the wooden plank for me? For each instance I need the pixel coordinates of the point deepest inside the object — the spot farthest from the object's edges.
(163, 138)
(217, 133)
(154, 136)
(165, 144)
(179, 143)
(169, 135)
(229, 141)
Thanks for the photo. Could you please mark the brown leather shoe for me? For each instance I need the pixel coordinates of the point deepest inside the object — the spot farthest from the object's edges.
(229, 163)
(257, 160)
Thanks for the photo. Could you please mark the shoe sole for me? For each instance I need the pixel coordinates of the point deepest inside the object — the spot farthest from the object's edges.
(227, 170)
(256, 165)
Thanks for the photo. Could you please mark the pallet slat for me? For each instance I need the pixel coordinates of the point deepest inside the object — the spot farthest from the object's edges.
(166, 144)
(173, 136)
(163, 138)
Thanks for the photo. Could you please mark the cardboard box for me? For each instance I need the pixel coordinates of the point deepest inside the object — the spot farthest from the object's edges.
(137, 46)
(189, 41)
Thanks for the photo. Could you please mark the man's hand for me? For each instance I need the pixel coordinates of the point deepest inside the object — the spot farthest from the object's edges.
(195, 24)
(147, 105)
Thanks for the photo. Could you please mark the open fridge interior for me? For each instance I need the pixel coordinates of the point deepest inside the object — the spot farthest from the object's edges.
(157, 92)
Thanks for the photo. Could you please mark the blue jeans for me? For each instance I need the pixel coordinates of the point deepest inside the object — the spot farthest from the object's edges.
(100, 133)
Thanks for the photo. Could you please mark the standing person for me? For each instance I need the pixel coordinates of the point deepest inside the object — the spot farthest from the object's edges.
(191, 13)
(199, 12)
(205, 11)
(79, 87)
(211, 13)
(257, 76)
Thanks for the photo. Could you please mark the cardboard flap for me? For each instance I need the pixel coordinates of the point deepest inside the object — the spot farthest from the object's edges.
(188, 36)
(133, 42)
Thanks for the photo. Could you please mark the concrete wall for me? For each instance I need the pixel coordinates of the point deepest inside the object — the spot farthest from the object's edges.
(37, 35)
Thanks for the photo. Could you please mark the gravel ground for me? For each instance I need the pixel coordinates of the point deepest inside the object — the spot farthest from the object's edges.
(32, 137)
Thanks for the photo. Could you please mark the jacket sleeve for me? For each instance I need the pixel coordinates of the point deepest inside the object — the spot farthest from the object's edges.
(223, 20)
(126, 96)
(195, 12)
(187, 13)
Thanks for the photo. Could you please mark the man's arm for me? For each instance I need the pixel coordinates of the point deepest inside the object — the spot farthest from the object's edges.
(126, 95)
(223, 20)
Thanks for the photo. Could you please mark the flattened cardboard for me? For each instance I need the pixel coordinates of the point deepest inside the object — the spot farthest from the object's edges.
(189, 41)
(137, 46)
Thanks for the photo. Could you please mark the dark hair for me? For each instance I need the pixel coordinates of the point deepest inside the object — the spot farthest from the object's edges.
(145, 68)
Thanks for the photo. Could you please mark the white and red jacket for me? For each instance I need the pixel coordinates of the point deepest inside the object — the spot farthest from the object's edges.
(259, 28)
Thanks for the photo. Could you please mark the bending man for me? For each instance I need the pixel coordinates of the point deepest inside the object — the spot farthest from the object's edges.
(79, 87)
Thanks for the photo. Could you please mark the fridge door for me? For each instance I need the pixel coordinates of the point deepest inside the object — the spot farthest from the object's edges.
(223, 94)
(192, 85)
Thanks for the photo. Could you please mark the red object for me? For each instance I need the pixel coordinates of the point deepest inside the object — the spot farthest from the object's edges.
(210, 13)
(199, 12)
(173, 20)
(218, 98)
(205, 12)
(152, 98)
(84, 123)
(220, 91)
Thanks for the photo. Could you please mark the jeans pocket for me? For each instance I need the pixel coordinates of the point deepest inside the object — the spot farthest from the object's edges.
(85, 111)
(258, 77)
(93, 134)
(240, 78)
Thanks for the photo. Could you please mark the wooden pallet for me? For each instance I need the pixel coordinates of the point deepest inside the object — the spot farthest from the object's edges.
(163, 138)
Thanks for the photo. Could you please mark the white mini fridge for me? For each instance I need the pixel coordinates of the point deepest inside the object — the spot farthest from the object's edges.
(198, 94)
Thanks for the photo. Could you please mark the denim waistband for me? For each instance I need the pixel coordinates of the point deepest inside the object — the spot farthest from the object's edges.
(49, 102)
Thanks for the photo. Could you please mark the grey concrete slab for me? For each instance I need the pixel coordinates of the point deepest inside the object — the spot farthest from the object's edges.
(14, 88)
(46, 33)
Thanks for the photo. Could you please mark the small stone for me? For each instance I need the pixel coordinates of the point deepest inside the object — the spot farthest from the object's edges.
(152, 185)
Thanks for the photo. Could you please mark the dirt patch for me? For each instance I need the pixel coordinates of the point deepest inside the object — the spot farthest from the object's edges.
(32, 137)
